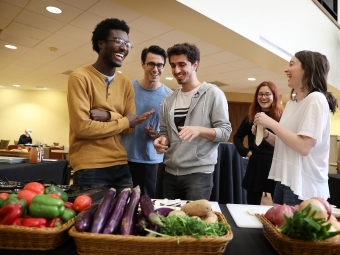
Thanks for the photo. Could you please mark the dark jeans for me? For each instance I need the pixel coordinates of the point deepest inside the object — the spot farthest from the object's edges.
(284, 195)
(188, 187)
(117, 177)
(144, 175)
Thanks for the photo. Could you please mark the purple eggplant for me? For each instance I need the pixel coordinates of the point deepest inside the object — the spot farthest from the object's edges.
(102, 212)
(128, 225)
(114, 220)
(163, 211)
(148, 210)
(84, 219)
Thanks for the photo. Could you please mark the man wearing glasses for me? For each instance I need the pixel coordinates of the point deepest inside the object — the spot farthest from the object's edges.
(101, 107)
(149, 94)
(194, 120)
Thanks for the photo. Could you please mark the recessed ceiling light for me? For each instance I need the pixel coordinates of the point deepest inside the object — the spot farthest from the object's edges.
(169, 78)
(53, 9)
(251, 79)
(12, 47)
(16, 85)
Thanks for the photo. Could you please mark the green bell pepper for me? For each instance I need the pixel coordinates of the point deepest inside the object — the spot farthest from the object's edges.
(2, 202)
(46, 207)
(56, 190)
(14, 200)
(68, 214)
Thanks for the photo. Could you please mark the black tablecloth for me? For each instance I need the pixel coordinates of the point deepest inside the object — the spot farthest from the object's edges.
(228, 175)
(334, 189)
(246, 240)
(48, 171)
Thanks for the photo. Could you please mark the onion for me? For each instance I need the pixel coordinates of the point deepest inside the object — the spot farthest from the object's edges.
(276, 214)
(334, 239)
(317, 206)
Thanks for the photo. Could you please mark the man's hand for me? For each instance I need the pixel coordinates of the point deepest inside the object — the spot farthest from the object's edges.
(188, 133)
(134, 120)
(99, 115)
(161, 144)
(151, 132)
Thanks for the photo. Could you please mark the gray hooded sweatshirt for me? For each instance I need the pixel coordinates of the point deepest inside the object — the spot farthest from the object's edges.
(208, 108)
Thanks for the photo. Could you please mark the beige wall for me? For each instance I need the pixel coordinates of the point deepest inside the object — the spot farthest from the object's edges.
(45, 112)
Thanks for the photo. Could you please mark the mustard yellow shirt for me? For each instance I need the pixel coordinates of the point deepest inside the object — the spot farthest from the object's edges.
(95, 144)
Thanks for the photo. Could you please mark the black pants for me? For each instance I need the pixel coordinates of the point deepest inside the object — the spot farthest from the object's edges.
(144, 175)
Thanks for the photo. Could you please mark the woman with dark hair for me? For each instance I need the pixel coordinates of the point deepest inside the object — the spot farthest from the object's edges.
(302, 137)
(255, 181)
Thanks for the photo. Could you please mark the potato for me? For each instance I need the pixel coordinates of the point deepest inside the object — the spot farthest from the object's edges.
(196, 217)
(176, 212)
(197, 208)
(210, 217)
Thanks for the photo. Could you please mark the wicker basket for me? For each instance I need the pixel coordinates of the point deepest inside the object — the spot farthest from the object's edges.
(89, 243)
(27, 238)
(289, 246)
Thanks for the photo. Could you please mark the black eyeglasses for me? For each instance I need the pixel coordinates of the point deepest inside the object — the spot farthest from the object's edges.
(151, 65)
(264, 94)
(121, 42)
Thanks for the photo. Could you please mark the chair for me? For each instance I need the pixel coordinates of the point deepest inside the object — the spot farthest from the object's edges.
(47, 152)
(4, 144)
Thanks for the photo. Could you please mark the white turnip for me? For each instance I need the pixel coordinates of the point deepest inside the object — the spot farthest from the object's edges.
(317, 207)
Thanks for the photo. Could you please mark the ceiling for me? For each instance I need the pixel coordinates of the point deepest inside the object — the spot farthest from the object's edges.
(226, 58)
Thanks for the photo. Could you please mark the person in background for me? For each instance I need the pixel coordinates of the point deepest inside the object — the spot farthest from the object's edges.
(255, 181)
(194, 120)
(149, 94)
(101, 107)
(302, 137)
(26, 138)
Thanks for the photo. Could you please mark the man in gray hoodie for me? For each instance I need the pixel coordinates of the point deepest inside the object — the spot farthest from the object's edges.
(194, 120)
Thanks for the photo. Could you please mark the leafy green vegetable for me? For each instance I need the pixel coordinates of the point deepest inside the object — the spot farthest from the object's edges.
(305, 227)
(184, 225)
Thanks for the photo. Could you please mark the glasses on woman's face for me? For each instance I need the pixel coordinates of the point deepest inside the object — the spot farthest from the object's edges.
(121, 42)
(267, 94)
(151, 65)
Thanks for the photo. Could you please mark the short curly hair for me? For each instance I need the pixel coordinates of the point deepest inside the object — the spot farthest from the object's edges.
(187, 49)
(102, 30)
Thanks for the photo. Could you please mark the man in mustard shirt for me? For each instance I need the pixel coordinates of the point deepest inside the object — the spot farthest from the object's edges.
(101, 107)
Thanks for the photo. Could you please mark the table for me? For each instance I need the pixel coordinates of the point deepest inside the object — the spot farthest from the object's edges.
(228, 175)
(245, 240)
(334, 189)
(63, 153)
(56, 171)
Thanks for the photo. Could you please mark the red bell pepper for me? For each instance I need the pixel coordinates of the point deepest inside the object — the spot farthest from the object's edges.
(9, 213)
(34, 222)
(68, 205)
(53, 223)
(17, 222)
